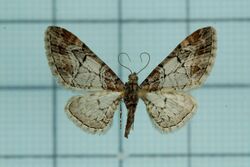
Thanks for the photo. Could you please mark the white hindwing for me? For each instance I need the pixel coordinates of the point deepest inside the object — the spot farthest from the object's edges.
(93, 112)
(169, 109)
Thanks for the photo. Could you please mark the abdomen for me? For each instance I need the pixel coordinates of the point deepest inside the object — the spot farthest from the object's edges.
(130, 100)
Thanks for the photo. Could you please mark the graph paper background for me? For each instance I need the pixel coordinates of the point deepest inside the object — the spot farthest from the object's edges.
(35, 132)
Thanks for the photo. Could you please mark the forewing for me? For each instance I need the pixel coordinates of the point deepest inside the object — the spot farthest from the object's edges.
(93, 112)
(75, 65)
(187, 66)
(169, 109)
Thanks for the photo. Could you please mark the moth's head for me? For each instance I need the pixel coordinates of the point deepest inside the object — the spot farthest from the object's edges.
(133, 78)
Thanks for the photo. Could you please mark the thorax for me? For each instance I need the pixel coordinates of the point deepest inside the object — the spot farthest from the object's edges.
(131, 89)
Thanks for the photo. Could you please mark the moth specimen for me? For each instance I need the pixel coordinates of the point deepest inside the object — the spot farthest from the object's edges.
(164, 91)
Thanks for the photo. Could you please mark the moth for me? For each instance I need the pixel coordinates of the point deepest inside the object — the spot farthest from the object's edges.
(164, 91)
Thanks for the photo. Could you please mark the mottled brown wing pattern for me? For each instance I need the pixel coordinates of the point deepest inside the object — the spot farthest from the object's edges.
(78, 68)
(187, 66)
(75, 65)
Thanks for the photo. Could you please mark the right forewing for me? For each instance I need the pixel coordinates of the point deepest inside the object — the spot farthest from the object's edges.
(93, 112)
(75, 65)
(169, 109)
(188, 66)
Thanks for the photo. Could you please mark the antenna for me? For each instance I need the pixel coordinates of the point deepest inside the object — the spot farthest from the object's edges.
(122, 64)
(144, 53)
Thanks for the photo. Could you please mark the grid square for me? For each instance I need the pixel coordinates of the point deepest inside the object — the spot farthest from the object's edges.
(219, 9)
(231, 64)
(25, 122)
(73, 140)
(156, 39)
(150, 9)
(28, 9)
(221, 162)
(27, 162)
(144, 138)
(221, 124)
(100, 38)
(24, 61)
(90, 9)
(156, 162)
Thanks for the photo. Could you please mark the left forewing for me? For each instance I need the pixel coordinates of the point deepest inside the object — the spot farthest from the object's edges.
(93, 112)
(75, 65)
(169, 110)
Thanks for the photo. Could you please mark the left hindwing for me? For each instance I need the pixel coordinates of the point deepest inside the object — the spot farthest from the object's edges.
(187, 66)
(93, 112)
(75, 65)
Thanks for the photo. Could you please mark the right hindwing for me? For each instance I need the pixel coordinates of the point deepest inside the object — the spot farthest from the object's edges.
(169, 109)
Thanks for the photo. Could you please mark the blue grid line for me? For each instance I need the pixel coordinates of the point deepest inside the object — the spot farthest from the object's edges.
(54, 99)
(189, 128)
(123, 21)
(120, 133)
(148, 155)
